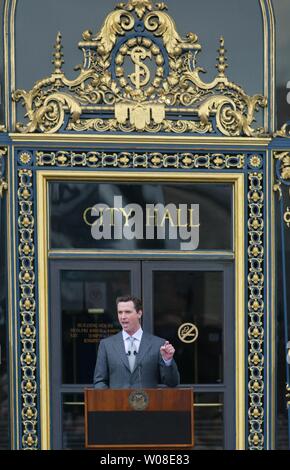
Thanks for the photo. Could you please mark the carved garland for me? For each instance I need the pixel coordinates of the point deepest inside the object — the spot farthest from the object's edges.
(154, 160)
(256, 310)
(27, 309)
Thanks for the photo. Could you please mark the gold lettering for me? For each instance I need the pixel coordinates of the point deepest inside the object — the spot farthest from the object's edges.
(85, 214)
(112, 214)
(167, 215)
(178, 219)
(191, 221)
(150, 216)
(126, 216)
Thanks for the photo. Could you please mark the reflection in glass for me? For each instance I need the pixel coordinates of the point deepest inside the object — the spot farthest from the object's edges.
(208, 421)
(71, 203)
(73, 432)
(195, 297)
(88, 315)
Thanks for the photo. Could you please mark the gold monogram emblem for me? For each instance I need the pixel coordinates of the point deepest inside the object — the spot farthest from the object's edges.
(139, 400)
(188, 333)
(142, 74)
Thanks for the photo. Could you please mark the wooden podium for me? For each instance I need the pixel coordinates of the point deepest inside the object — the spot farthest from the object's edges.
(139, 418)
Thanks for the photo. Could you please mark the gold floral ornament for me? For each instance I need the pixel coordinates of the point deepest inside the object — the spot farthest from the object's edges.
(140, 6)
(139, 74)
(284, 131)
(284, 164)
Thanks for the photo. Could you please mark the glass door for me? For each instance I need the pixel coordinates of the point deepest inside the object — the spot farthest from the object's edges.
(188, 303)
(192, 306)
(83, 311)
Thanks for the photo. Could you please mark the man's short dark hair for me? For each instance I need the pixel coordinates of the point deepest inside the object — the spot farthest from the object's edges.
(130, 298)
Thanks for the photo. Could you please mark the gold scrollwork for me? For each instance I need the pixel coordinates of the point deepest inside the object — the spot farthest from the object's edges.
(283, 178)
(3, 182)
(188, 333)
(3, 187)
(142, 101)
(287, 217)
(139, 6)
(284, 158)
(283, 132)
(155, 160)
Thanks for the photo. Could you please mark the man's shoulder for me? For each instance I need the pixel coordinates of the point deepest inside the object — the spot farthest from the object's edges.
(153, 338)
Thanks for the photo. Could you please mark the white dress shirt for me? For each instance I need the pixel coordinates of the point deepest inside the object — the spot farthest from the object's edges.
(137, 341)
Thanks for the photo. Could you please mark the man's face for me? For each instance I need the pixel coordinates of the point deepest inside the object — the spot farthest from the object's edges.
(128, 317)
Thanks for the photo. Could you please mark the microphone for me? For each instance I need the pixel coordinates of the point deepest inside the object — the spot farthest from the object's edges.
(129, 353)
(139, 376)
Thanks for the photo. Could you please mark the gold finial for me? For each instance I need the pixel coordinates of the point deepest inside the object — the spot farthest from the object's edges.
(58, 55)
(222, 65)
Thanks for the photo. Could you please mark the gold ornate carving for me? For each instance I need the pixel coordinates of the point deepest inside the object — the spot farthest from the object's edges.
(283, 132)
(155, 160)
(3, 182)
(139, 6)
(3, 187)
(284, 158)
(256, 306)
(288, 394)
(283, 178)
(27, 308)
(163, 93)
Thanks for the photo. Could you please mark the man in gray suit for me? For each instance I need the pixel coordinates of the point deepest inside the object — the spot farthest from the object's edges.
(133, 358)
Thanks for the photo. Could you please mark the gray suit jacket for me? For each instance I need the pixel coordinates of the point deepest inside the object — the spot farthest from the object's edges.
(112, 366)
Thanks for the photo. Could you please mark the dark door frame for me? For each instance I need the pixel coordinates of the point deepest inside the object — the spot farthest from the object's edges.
(142, 284)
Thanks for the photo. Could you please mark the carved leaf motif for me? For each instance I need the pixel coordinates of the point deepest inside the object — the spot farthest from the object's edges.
(140, 6)
(115, 24)
(57, 111)
(163, 25)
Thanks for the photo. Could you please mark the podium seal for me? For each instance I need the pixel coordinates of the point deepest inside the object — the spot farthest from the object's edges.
(138, 400)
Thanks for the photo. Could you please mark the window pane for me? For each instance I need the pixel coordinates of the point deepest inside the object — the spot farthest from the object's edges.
(73, 432)
(195, 297)
(71, 222)
(88, 315)
(208, 421)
